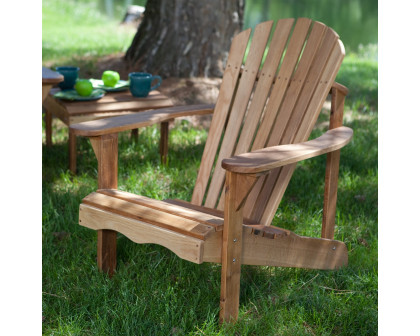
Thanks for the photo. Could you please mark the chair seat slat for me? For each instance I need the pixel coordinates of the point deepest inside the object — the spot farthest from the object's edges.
(149, 215)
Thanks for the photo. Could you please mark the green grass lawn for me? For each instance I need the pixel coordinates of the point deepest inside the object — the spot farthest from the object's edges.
(156, 293)
(76, 33)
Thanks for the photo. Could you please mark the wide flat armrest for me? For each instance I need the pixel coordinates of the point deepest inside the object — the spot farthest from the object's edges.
(137, 120)
(273, 157)
(339, 87)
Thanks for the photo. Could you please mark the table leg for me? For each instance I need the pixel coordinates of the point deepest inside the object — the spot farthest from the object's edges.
(135, 134)
(48, 127)
(45, 91)
(72, 151)
(164, 138)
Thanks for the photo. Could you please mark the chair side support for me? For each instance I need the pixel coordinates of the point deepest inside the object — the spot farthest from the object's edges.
(338, 95)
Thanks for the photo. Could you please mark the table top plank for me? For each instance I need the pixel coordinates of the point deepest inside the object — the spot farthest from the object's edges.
(50, 76)
(113, 102)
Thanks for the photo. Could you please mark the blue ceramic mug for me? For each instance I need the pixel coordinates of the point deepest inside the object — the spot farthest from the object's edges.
(141, 83)
(70, 74)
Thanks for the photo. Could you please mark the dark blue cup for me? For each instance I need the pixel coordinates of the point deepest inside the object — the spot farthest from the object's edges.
(70, 74)
(141, 83)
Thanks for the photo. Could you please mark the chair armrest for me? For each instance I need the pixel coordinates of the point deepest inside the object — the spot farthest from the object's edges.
(339, 87)
(273, 157)
(137, 120)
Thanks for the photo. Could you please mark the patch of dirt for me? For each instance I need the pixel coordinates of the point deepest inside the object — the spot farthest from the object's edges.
(182, 91)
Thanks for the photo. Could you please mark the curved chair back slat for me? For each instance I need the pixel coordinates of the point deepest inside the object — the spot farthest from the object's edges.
(262, 105)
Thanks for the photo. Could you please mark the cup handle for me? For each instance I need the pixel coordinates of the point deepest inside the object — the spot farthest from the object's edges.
(158, 83)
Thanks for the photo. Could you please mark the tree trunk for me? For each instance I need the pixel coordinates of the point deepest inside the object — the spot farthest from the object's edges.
(185, 38)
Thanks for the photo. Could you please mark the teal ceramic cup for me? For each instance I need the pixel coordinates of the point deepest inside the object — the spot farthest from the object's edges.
(141, 83)
(70, 74)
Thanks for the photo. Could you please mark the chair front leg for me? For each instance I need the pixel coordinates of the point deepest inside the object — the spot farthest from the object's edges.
(237, 188)
(106, 151)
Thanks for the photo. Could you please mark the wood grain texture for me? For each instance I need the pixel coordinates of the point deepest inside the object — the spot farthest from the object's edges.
(265, 81)
(138, 120)
(163, 143)
(149, 215)
(239, 107)
(330, 194)
(277, 156)
(291, 250)
(202, 209)
(273, 246)
(307, 124)
(72, 152)
(186, 247)
(277, 98)
(318, 63)
(181, 209)
(266, 77)
(294, 49)
(298, 92)
(118, 101)
(268, 201)
(106, 151)
(223, 105)
(231, 250)
(107, 251)
(332, 167)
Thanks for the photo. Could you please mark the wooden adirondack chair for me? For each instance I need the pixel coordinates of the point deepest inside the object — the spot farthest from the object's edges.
(261, 123)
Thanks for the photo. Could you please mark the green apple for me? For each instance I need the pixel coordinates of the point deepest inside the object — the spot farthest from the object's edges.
(83, 87)
(110, 78)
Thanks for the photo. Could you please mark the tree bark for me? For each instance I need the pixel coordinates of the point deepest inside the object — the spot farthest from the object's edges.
(185, 38)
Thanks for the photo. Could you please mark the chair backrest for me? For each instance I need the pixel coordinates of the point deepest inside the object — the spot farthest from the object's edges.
(262, 105)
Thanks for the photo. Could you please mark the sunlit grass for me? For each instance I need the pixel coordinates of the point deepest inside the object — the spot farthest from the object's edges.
(76, 32)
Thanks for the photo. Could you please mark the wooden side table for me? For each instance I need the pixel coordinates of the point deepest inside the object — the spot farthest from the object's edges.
(112, 104)
(49, 78)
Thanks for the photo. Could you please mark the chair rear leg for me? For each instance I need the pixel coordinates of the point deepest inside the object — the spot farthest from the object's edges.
(333, 161)
(107, 251)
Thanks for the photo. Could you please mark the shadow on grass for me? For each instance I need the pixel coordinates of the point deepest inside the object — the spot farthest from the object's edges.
(155, 292)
